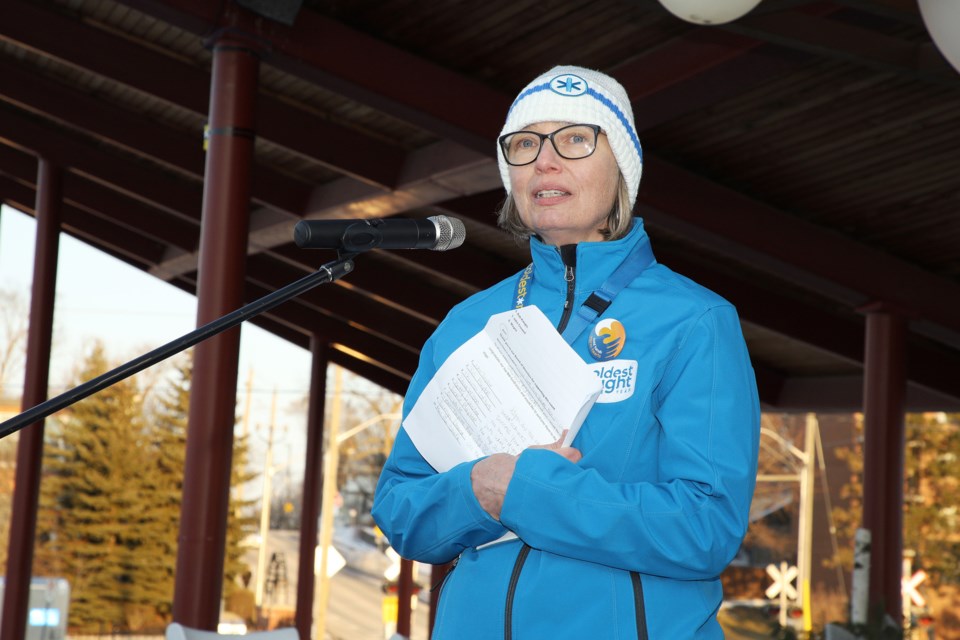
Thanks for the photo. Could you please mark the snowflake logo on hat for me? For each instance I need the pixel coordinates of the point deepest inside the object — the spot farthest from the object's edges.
(568, 85)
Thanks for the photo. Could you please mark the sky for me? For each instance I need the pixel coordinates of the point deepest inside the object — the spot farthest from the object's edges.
(132, 313)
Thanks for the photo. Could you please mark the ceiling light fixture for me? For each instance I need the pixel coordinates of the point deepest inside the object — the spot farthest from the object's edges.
(710, 11)
(942, 18)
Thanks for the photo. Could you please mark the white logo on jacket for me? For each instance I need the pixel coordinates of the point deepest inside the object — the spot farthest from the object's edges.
(618, 379)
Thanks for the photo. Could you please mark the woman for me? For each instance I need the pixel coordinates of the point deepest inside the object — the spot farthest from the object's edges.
(623, 534)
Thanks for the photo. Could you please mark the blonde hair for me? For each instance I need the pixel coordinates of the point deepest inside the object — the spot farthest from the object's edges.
(619, 220)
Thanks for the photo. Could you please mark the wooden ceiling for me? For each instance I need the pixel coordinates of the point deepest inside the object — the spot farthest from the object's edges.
(803, 161)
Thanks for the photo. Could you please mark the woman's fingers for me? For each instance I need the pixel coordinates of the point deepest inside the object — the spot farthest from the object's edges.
(571, 454)
(490, 478)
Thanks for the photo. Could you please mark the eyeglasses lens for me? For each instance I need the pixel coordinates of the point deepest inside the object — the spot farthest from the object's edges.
(572, 142)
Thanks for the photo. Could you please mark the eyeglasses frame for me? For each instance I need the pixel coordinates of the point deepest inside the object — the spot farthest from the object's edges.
(597, 130)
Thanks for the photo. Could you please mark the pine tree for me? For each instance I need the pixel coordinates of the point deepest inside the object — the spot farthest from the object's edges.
(168, 431)
(931, 522)
(110, 504)
(932, 494)
(242, 521)
(90, 523)
(167, 435)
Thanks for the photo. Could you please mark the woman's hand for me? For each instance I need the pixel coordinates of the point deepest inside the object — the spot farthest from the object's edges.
(491, 475)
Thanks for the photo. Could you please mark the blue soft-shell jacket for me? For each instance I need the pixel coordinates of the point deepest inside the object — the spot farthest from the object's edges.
(630, 541)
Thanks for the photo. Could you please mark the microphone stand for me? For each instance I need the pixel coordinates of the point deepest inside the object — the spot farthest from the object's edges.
(329, 272)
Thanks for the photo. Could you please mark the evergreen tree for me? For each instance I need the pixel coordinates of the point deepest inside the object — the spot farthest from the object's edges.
(168, 431)
(167, 435)
(932, 494)
(110, 504)
(91, 524)
(242, 521)
(931, 522)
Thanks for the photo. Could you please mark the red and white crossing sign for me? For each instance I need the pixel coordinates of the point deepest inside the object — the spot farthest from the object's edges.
(908, 586)
(783, 577)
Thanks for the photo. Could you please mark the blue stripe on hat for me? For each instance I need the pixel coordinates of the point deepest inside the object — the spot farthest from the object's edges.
(605, 101)
(622, 118)
(539, 87)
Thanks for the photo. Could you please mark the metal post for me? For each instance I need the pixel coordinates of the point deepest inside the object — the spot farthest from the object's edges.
(883, 466)
(312, 484)
(223, 244)
(23, 521)
(805, 533)
(404, 597)
(860, 589)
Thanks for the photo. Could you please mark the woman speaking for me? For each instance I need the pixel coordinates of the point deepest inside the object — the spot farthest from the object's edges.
(624, 533)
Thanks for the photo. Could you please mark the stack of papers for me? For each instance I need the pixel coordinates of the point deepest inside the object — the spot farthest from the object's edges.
(515, 384)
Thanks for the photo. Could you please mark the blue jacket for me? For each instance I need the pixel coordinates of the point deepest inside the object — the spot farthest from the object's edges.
(630, 541)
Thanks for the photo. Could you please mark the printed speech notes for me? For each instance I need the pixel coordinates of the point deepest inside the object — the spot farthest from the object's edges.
(514, 384)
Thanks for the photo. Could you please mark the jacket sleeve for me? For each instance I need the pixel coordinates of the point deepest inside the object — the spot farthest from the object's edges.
(689, 523)
(428, 516)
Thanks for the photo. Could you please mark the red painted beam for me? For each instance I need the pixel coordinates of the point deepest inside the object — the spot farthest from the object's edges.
(365, 346)
(178, 197)
(839, 335)
(23, 524)
(137, 134)
(130, 247)
(374, 73)
(834, 39)
(345, 304)
(100, 201)
(56, 35)
(680, 60)
(379, 276)
(220, 281)
(131, 215)
(671, 194)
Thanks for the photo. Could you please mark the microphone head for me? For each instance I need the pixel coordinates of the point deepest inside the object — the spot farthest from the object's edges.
(450, 232)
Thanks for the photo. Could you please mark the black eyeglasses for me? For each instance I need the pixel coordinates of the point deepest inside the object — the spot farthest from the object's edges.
(573, 142)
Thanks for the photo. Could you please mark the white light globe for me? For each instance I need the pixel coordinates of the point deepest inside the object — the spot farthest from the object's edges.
(711, 11)
(942, 18)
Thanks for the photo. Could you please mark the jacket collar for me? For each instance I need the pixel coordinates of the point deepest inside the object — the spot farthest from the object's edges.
(595, 260)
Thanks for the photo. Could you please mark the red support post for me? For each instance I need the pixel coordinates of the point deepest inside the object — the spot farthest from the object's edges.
(404, 598)
(221, 272)
(26, 495)
(884, 390)
(438, 574)
(312, 485)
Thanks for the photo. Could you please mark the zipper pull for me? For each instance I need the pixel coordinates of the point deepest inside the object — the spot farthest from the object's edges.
(437, 585)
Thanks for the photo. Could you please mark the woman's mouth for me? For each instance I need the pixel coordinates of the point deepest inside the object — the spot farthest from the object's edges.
(550, 193)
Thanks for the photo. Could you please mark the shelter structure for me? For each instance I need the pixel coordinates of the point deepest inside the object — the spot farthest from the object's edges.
(801, 161)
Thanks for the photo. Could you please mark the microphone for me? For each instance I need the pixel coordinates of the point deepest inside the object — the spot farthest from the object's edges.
(438, 233)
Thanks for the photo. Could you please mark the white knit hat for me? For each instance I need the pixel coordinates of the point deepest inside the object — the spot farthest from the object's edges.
(580, 96)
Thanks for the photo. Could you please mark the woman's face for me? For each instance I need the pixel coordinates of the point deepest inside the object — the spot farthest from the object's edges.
(565, 201)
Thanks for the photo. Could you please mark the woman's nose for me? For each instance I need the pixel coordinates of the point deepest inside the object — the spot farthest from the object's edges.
(548, 157)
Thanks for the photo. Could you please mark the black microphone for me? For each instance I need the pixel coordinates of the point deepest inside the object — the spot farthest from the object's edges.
(438, 233)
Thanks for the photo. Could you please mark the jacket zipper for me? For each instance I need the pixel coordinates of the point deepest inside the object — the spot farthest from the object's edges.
(437, 586)
(639, 606)
(568, 253)
(511, 591)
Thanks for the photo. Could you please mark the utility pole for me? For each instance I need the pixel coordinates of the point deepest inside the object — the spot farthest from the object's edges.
(265, 507)
(805, 477)
(805, 532)
(328, 491)
(245, 423)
